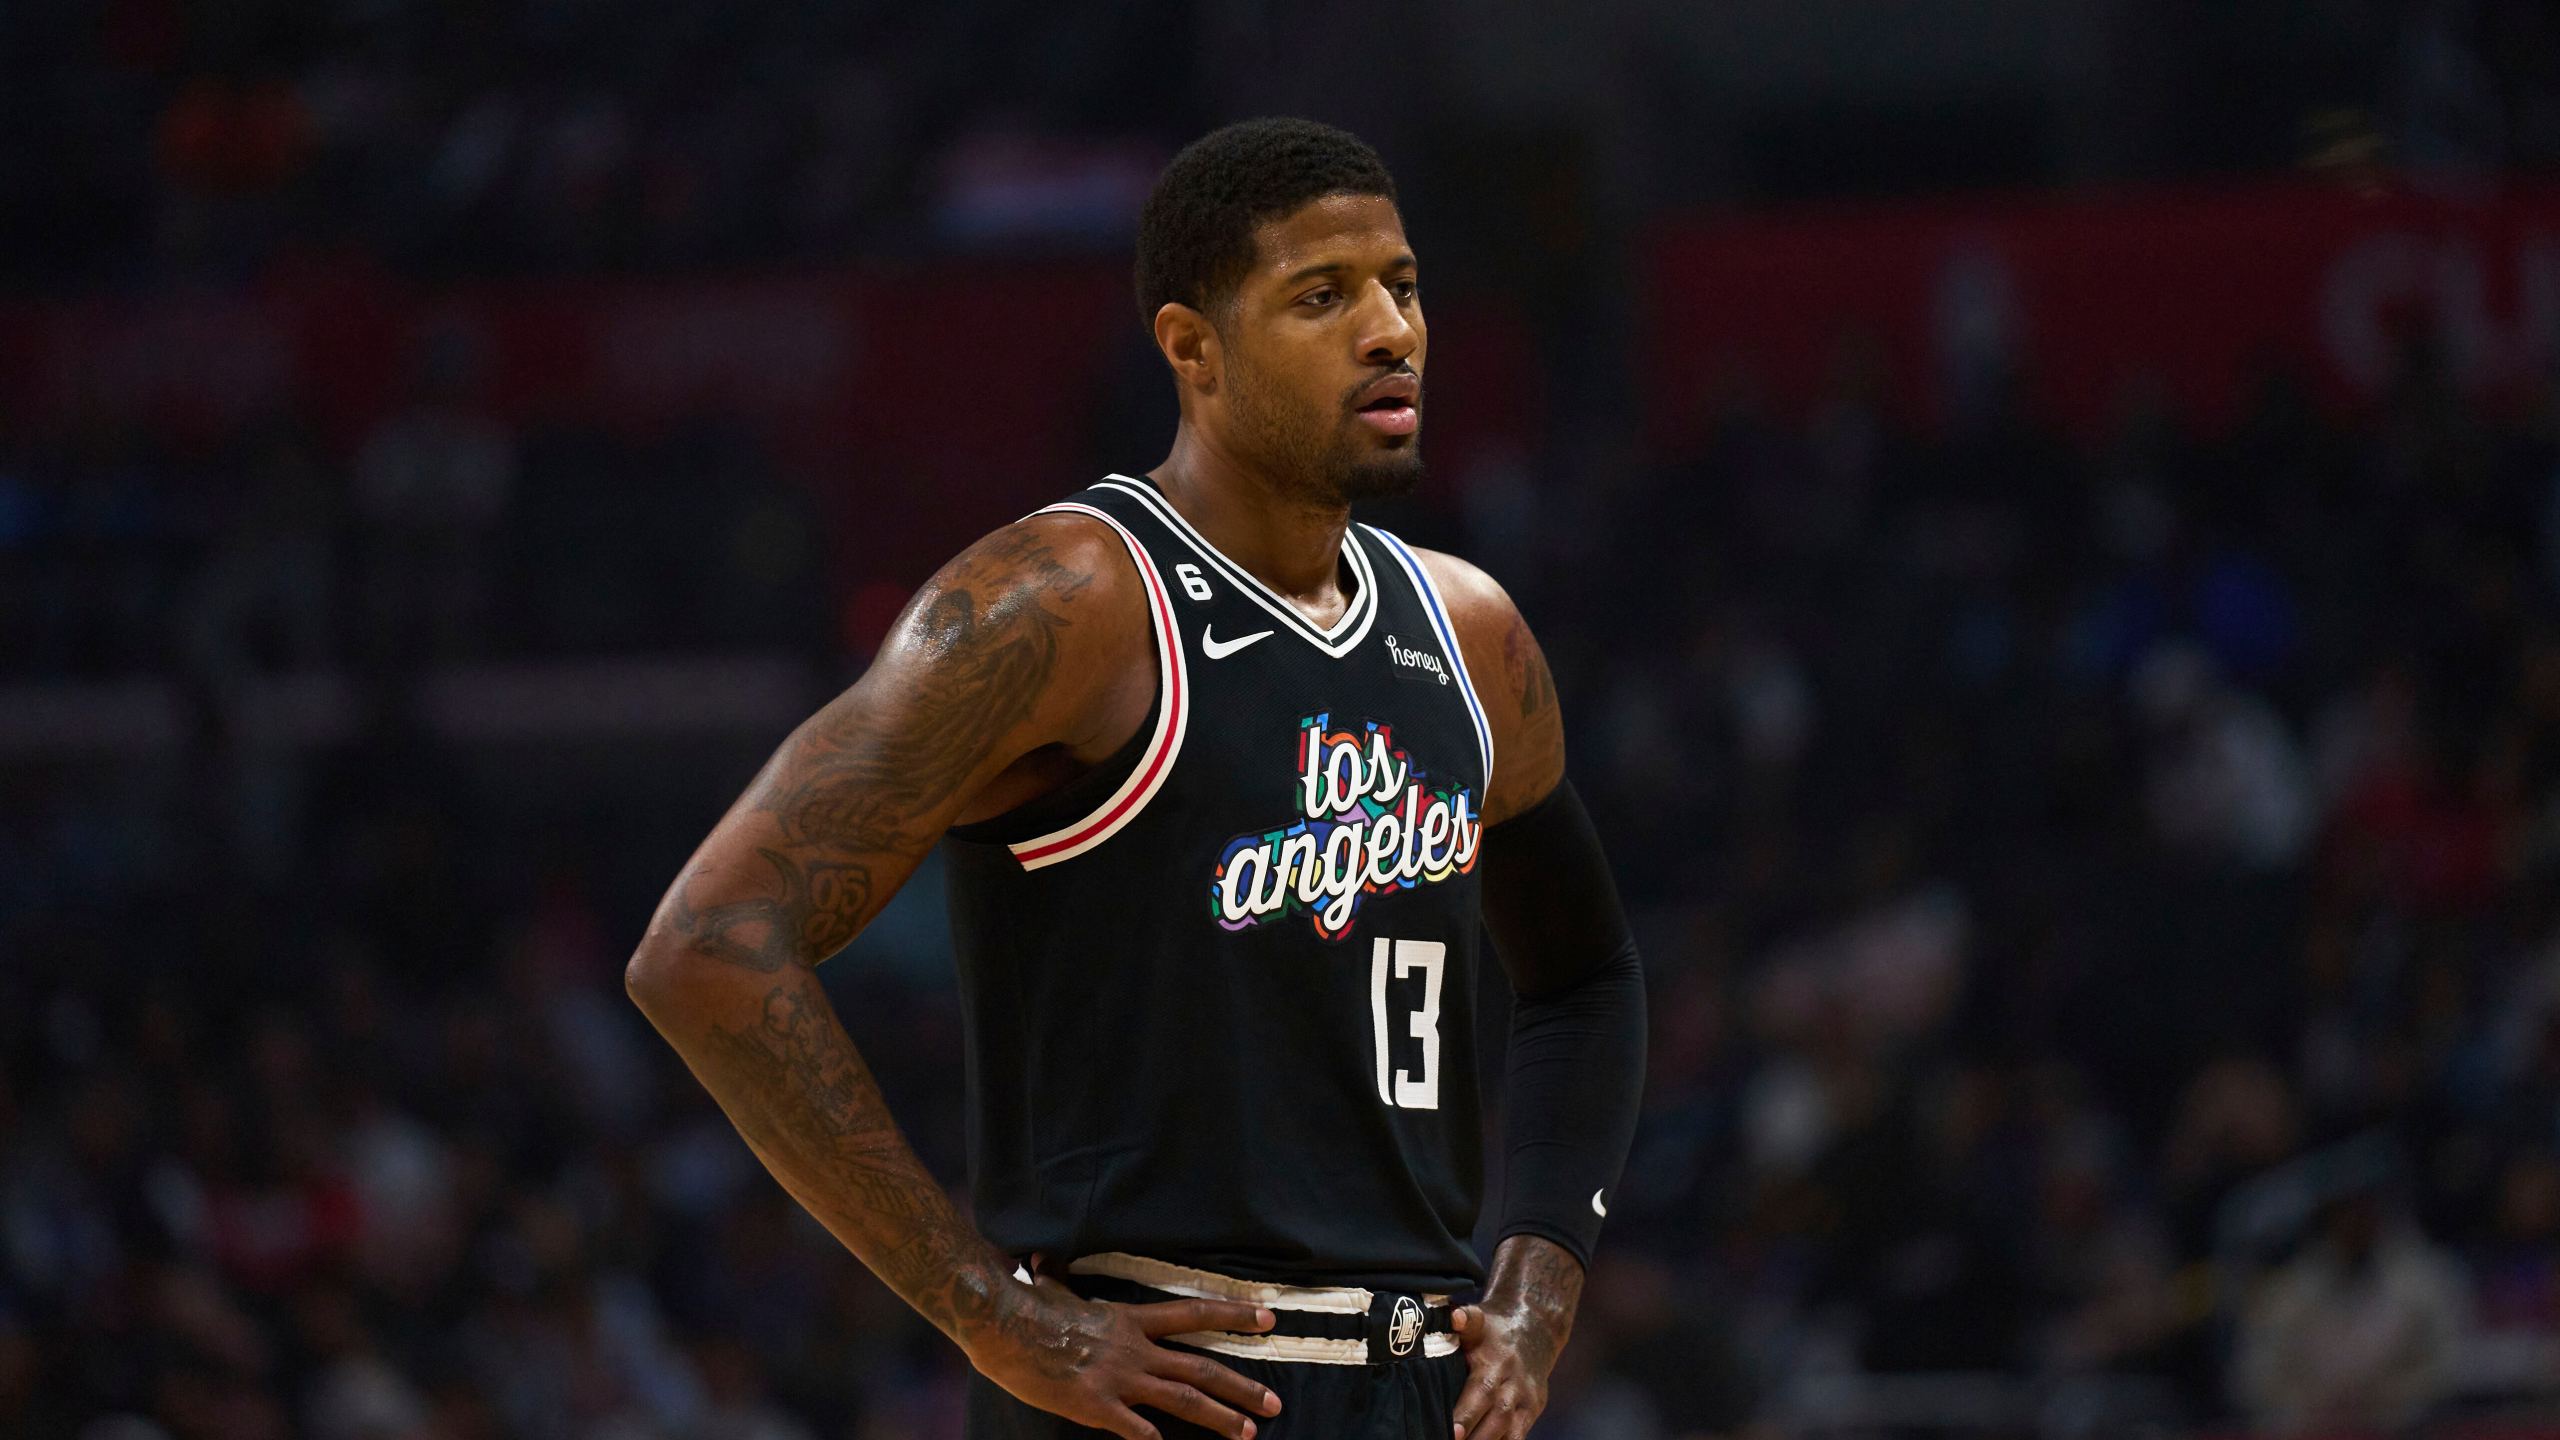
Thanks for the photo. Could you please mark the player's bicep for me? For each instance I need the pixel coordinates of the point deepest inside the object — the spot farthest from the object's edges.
(993, 659)
(1527, 725)
(987, 664)
(1512, 683)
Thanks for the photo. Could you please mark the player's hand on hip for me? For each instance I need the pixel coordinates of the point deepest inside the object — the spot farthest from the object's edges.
(1508, 1357)
(1096, 1363)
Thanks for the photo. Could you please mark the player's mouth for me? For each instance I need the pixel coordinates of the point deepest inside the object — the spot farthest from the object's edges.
(1394, 406)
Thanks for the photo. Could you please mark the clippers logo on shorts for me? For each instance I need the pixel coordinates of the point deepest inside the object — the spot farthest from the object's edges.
(1406, 1327)
(1367, 824)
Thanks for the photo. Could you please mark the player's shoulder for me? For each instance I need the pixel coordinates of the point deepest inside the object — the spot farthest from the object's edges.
(1510, 672)
(1055, 556)
(1477, 602)
(1059, 578)
(1043, 619)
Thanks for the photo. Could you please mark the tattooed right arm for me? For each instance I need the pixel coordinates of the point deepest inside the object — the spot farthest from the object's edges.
(968, 682)
(1020, 648)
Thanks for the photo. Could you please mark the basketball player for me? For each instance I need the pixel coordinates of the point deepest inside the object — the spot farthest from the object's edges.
(1227, 783)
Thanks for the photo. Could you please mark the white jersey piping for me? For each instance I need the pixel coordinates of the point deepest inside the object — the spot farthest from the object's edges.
(1336, 642)
(1173, 720)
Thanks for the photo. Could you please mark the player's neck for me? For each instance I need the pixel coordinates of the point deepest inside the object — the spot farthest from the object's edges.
(1287, 543)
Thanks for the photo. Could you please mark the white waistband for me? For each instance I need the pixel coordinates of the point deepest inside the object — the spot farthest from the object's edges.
(1193, 1284)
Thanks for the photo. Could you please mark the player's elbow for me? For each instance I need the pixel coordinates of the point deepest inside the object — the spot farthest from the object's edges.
(656, 976)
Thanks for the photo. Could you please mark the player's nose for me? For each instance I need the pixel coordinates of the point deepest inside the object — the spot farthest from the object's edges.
(1388, 335)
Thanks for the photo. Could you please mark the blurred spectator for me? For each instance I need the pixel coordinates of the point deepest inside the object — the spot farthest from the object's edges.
(2359, 1330)
(2225, 779)
(266, 595)
(430, 486)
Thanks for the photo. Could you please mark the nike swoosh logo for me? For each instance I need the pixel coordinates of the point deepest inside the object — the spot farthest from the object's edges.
(1217, 649)
(1596, 1207)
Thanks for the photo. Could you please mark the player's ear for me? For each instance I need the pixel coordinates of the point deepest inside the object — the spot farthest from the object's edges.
(1190, 345)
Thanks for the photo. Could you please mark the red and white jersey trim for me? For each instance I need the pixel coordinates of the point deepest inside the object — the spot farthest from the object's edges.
(1173, 717)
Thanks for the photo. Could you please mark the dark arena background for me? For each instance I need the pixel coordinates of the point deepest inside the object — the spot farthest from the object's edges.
(2046, 514)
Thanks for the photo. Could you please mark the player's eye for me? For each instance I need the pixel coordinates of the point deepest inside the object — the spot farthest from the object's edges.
(1407, 289)
(1321, 298)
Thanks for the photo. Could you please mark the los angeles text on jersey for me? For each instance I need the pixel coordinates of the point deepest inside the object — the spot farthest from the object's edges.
(1366, 824)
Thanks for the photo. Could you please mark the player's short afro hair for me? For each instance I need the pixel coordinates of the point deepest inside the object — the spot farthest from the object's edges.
(1195, 236)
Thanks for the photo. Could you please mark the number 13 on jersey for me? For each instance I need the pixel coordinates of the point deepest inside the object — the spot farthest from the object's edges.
(1405, 1089)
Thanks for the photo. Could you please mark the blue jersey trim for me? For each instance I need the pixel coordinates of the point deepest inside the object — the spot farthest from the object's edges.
(1448, 641)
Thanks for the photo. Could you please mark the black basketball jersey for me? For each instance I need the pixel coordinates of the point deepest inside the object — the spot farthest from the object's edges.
(1220, 993)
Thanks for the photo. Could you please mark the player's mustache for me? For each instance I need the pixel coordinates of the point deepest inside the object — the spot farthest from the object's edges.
(1368, 390)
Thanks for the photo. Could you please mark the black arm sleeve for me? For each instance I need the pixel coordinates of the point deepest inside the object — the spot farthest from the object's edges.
(1576, 1071)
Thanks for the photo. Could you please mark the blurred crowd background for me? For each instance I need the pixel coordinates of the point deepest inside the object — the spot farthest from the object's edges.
(2046, 514)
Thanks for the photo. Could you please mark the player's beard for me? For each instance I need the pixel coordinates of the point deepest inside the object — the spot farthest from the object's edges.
(1316, 448)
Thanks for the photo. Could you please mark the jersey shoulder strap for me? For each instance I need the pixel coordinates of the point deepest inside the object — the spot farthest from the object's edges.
(1435, 610)
(1147, 769)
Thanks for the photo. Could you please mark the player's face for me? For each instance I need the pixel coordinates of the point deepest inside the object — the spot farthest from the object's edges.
(1325, 348)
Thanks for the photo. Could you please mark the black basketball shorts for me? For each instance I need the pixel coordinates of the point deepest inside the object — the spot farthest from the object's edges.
(1347, 1364)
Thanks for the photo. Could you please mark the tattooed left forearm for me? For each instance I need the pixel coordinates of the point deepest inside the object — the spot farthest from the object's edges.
(1538, 1279)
